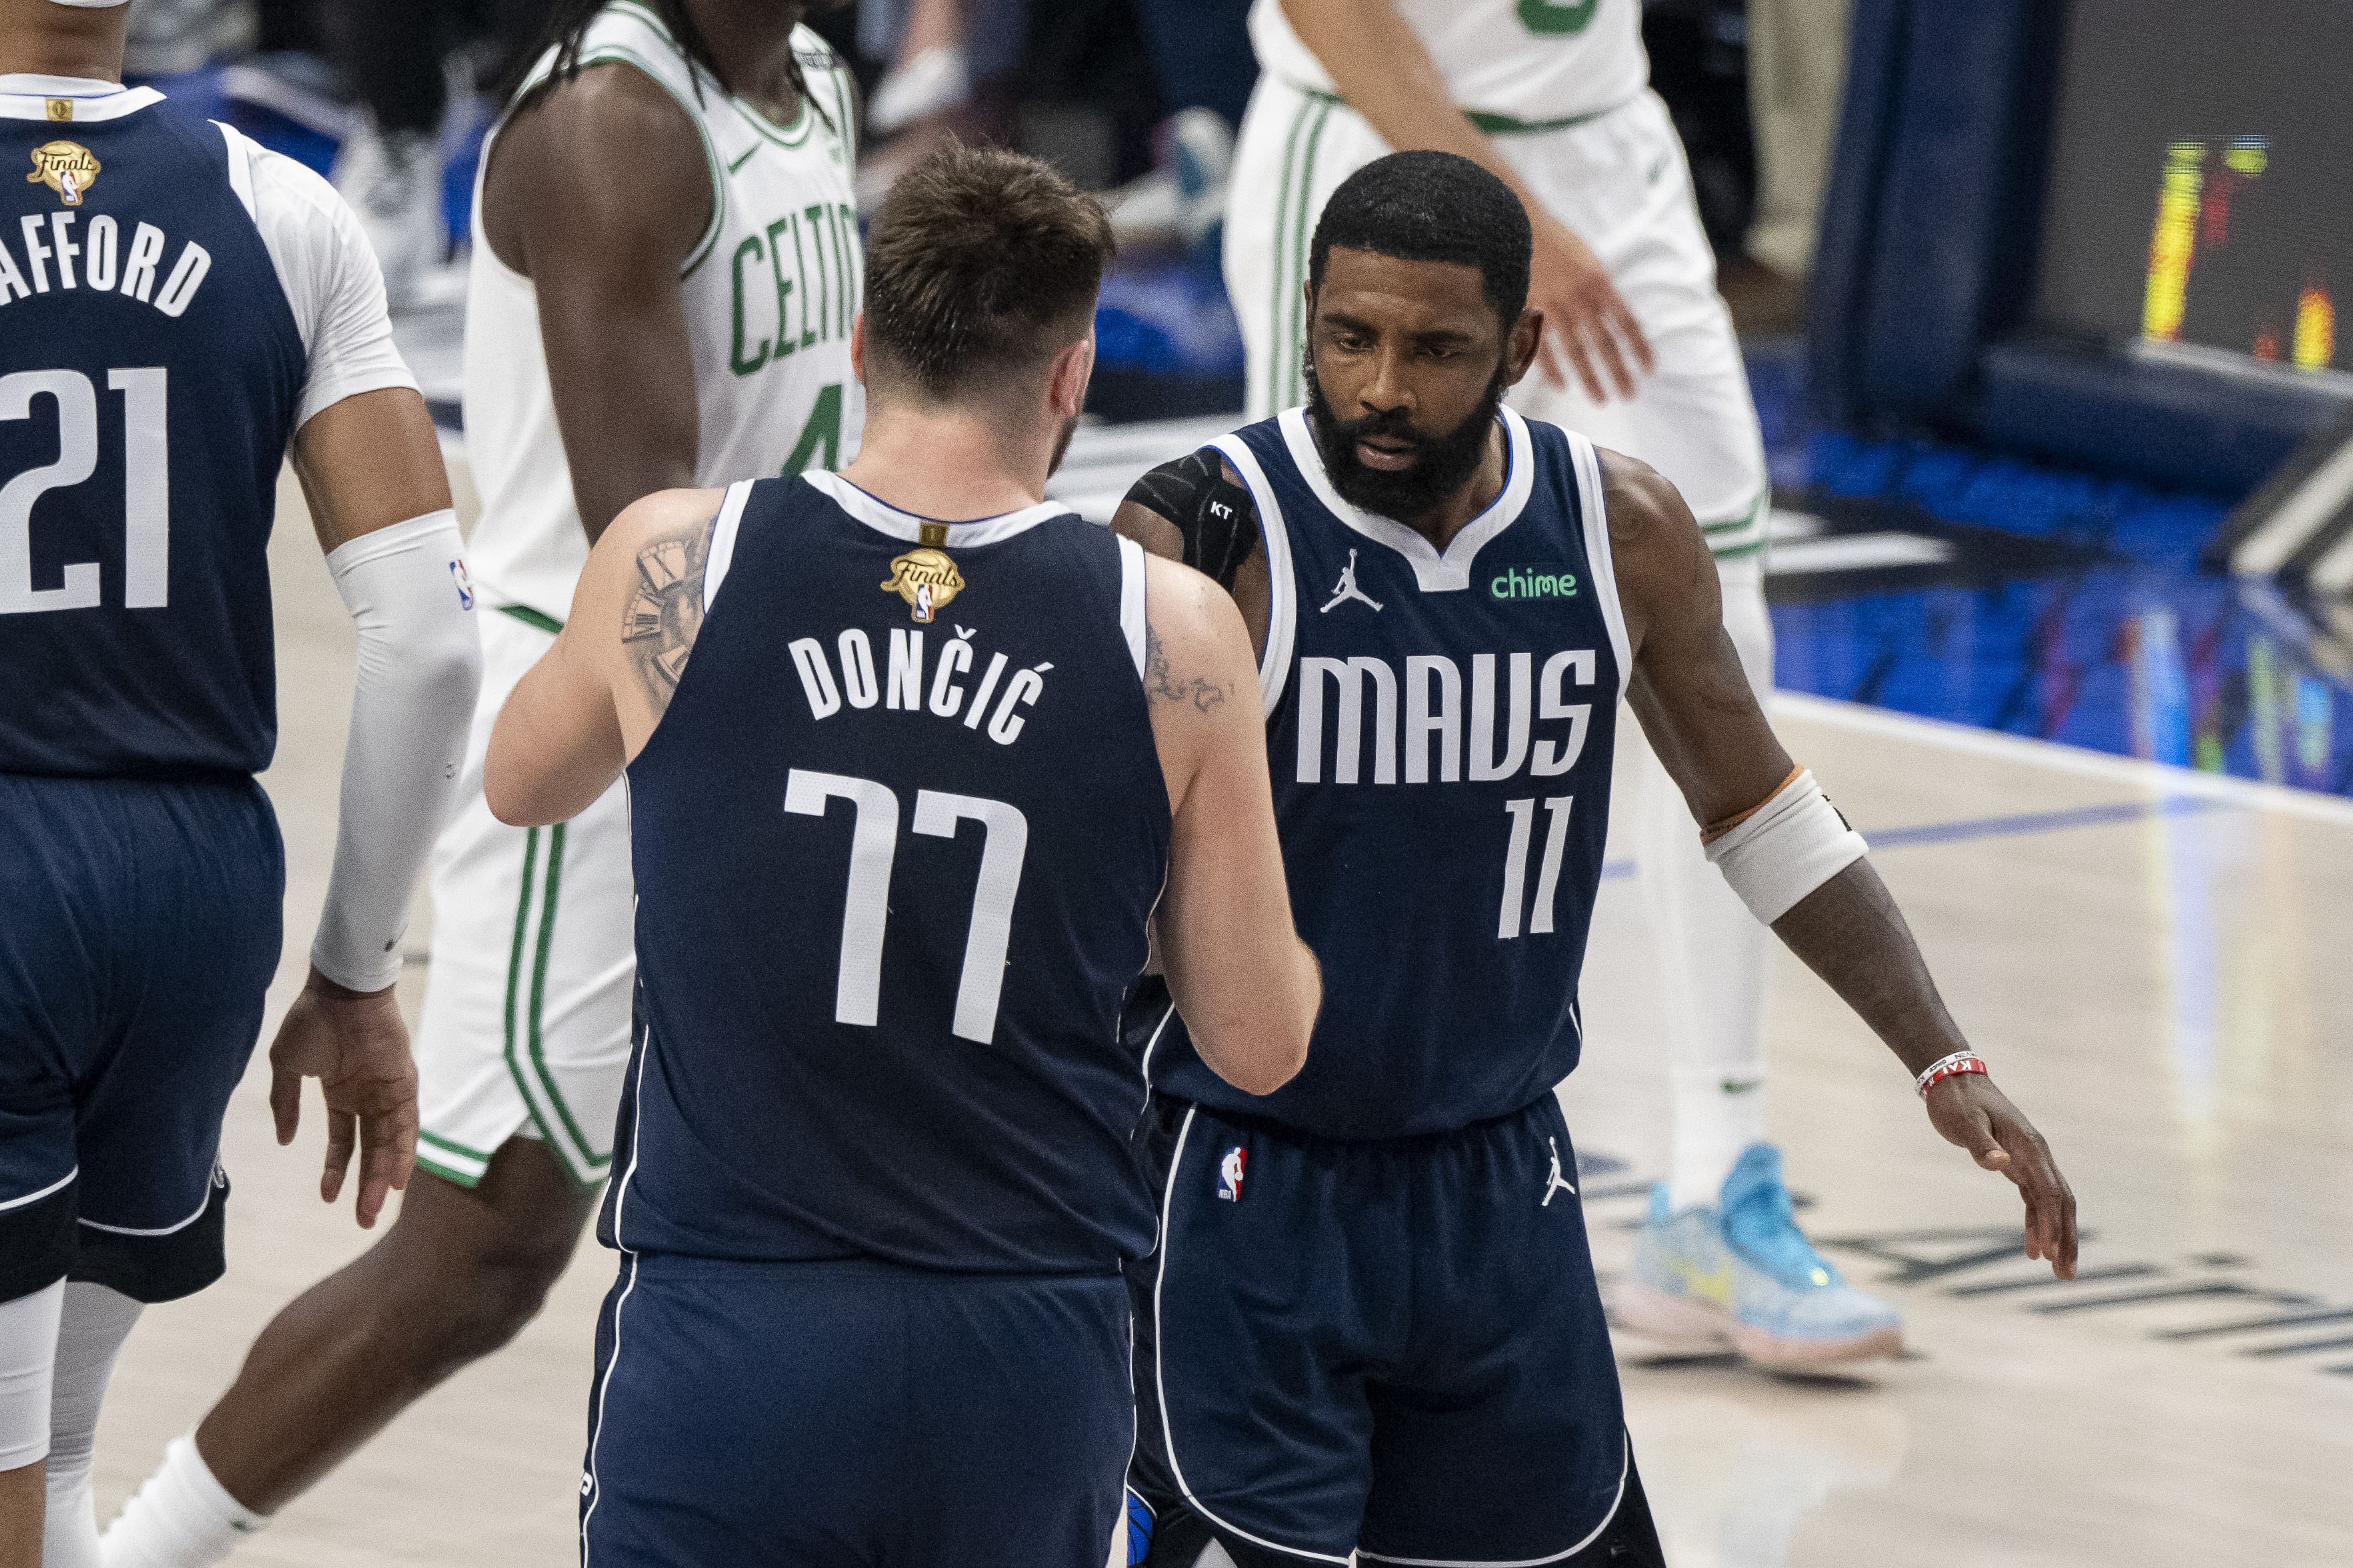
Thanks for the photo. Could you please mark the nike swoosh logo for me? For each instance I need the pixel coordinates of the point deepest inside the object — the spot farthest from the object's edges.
(1741, 1085)
(1714, 1285)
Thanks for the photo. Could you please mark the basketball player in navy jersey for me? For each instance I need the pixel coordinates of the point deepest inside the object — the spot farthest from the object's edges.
(911, 756)
(1371, 1327)
(177, 307)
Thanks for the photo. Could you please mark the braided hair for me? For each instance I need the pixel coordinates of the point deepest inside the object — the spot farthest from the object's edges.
(567, 28)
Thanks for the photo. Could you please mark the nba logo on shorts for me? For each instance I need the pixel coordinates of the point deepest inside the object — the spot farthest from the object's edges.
(465, 584)
(1229, 1174)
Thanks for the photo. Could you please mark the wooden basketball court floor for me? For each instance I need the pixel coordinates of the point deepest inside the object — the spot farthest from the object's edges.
(2155, 963)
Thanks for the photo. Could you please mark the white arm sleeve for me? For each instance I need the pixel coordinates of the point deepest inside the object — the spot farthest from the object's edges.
(329, 275)
(1791, 845)
(420, 664)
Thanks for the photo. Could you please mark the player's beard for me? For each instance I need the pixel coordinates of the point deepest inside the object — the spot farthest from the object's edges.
(1442, 463)
(1062, 445)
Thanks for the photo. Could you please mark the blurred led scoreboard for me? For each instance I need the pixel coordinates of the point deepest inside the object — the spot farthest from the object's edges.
(2200, 190)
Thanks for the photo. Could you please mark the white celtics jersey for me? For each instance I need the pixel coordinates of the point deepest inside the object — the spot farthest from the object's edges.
(771, 290)
(1512, 64)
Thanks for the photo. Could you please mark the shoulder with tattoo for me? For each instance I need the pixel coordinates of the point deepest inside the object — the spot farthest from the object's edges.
(660, 552)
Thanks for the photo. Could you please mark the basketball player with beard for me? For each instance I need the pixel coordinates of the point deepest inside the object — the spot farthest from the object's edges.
(1371, 1330)
(1639, 356)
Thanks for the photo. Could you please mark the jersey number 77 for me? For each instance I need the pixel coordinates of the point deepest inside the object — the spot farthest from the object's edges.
(866, 912)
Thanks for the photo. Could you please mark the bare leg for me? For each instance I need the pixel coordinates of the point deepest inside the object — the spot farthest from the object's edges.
(458, 1275)
(24, 1493)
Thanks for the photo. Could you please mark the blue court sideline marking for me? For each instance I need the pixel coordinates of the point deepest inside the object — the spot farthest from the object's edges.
(2014, 826)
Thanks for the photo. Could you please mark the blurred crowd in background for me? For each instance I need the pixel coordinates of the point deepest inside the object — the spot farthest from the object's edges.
(1136, 97)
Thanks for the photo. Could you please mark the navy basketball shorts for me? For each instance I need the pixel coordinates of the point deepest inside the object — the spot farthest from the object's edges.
(856, 1415)
(1394, 1348)
(139, 926)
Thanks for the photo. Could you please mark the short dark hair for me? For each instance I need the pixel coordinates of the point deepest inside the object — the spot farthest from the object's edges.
(1432, 206)
(977, 264)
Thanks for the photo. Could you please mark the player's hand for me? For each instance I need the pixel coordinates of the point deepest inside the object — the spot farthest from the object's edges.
(355, 1044)
(1968, 1110)
(1589, 327)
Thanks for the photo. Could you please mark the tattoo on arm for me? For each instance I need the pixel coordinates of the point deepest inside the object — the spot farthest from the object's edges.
(1161, 686)
(665, 613)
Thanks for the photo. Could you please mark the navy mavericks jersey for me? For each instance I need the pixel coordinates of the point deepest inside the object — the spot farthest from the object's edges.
(1440, 730)
(896, 840)
(150, 369)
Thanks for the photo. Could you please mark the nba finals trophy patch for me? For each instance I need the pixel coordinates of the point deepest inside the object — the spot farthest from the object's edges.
(68, 168)
(926, 576)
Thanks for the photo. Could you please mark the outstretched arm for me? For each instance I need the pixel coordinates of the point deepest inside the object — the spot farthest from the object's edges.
(1249, 989)
(591, 702)
(1784, 848)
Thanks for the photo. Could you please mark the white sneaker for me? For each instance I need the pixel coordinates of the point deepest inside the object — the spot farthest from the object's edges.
(393, 180)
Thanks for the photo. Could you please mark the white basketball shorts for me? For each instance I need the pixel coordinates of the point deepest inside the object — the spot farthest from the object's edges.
(527, 1006)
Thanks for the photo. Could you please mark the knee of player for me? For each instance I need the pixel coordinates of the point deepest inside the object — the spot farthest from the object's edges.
(482, 1301)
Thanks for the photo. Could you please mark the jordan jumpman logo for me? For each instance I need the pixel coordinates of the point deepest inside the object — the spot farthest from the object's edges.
(1558, 1183)
(1348, 590)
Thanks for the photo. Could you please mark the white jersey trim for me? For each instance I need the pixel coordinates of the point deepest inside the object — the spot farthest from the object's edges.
(1435, 571)
(1160, 1358)
(1597, 558)
(25, 95)
(1624, 1465)
(60, 1183)
(240, 166)
(1131, 621)
(907, 527)
(723, 540)
(172, 1229)
(1283, 602)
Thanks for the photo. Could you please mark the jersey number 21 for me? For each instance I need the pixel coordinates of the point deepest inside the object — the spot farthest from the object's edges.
(146, 489)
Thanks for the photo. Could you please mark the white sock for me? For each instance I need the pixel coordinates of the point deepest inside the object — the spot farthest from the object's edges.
(1712, 952)
(182, 1518)
(90, 1332)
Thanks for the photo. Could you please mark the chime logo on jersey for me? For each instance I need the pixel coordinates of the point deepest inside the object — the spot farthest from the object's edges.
(68, 168)
(927, 579)
(1229, 1173)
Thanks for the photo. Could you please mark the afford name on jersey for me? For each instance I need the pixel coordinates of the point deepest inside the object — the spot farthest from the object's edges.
(1439, 745)
(107, 265)
(847, 673)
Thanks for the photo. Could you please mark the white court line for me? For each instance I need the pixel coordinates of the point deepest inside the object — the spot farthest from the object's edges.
(2156, 778)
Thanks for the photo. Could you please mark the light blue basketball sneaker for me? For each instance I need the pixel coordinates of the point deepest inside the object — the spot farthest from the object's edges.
(1744, 1275)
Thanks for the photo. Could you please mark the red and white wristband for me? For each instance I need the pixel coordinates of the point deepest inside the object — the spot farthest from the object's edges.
(1954, 1066)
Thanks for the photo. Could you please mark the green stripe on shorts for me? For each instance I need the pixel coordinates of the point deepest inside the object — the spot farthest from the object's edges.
(533, 618)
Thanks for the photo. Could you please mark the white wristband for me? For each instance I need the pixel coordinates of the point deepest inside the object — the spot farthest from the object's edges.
(1788, 846)
(420, 662)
